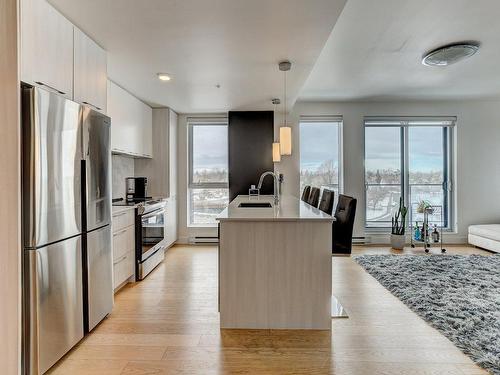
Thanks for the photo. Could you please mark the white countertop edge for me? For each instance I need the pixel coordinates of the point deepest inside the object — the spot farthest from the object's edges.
(270, 219)
(292, 209)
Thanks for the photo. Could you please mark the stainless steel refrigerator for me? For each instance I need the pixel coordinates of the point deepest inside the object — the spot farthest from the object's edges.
(67, 280)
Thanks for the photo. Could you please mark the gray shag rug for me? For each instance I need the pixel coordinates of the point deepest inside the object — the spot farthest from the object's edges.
(458, 295)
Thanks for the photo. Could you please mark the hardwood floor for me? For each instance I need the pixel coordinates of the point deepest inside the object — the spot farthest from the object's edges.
(168, 324)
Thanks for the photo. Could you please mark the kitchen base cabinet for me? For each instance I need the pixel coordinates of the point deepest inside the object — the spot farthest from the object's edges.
(123, 247)
(123, 269)
(171, 221)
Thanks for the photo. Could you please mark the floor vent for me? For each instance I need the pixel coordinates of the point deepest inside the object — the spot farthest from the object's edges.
(203, 240)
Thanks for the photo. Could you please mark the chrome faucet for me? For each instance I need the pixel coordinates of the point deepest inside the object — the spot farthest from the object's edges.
(276, 189)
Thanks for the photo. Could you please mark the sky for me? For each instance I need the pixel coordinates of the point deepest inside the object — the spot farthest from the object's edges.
(319, 142)
(382, 148)
(210, 145)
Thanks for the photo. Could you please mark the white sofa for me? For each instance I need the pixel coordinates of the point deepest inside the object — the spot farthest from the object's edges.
(485, 236)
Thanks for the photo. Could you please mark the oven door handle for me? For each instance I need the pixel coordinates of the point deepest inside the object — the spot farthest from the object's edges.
(153, 213)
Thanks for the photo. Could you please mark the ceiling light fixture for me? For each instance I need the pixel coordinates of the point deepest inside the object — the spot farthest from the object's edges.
(164, 77)
(285, 130)
(450, 54)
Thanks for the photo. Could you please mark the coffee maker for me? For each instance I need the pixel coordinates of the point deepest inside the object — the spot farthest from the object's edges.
(137, 188)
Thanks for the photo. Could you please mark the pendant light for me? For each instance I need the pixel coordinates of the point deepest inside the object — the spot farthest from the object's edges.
(276, 145)
(276, 152)
(285, 130)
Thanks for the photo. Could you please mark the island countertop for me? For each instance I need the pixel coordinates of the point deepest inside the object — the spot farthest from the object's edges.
(289, 209)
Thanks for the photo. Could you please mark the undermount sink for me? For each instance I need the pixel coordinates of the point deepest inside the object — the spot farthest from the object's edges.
(255, 205)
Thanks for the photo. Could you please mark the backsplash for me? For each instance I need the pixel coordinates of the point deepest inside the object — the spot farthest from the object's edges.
(123, 167)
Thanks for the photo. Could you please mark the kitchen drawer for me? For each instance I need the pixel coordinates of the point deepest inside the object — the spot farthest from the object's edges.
(123, 219)
(123, 268)
(123, 241)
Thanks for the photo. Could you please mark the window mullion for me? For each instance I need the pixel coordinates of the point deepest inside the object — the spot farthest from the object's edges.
(405, 167)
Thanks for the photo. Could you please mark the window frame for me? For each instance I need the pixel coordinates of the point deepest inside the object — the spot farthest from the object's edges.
(405, 123)
(192, 123)
(338, 119)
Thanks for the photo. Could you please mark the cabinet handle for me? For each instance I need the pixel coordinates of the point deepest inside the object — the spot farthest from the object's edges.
(120, 214)
(120, 232)
(121, 259)
(93, 106)
(50, 87)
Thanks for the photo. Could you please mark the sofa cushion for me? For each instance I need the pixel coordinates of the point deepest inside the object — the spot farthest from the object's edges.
(490, 231)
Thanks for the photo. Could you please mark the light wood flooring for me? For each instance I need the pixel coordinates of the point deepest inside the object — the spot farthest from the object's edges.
(168, 324)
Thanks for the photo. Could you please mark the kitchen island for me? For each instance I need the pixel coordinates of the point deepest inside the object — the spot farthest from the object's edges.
(274, 264)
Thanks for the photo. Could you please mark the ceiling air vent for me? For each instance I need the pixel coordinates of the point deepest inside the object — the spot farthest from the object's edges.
(450, 54)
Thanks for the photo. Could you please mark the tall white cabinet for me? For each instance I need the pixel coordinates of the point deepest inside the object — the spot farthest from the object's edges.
(131, 123)
(161, 170)
(58, 56)
(90, 72)
(46, 47)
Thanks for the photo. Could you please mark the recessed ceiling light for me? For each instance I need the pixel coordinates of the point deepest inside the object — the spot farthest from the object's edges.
(164, 77)
(450, 54)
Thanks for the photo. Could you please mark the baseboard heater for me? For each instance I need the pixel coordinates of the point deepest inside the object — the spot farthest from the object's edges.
(360, 240)
(211, 240)
(203, 240)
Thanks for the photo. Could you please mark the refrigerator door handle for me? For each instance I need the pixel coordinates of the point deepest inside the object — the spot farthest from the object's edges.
(50, 87)
(93, 106)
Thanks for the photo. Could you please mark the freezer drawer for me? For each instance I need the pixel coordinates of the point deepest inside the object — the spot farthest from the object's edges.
(54, 306)
(100, 275)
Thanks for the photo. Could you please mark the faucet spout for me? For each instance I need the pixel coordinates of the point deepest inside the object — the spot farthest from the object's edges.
(276, 189)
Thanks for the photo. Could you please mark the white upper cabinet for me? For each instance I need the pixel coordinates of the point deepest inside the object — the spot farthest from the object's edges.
(46, 47)
(90, 72)
(131, 123)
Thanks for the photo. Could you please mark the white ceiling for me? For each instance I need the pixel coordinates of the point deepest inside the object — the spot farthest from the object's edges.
(202, 43)
(375, 51)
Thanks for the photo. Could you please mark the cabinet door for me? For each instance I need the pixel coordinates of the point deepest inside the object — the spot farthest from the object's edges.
(123, 134)
(90, 72)
(131, 123)
(172, 152)
(171, 224)
(46, 47)
(146, 129)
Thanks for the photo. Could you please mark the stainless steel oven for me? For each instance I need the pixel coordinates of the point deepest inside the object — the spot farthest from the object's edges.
(150, 235)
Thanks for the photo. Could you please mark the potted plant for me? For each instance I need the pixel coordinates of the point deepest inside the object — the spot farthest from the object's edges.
(425, 207)
(399, 227)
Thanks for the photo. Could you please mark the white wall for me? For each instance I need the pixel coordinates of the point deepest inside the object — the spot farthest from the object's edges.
(10, 215)
(477, 161)
(122, 167)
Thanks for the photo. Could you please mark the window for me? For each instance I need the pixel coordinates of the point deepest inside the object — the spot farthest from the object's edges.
(409, 158)
(208, 171)
(320, 152)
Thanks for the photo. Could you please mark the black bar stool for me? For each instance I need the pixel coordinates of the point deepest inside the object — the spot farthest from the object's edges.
(326, 203)
(305, 193)
(313, 197)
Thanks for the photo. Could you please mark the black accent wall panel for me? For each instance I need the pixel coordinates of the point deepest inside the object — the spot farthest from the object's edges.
(250, 135)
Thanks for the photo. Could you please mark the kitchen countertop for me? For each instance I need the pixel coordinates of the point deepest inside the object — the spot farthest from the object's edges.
(289, 209)
(118, 209)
